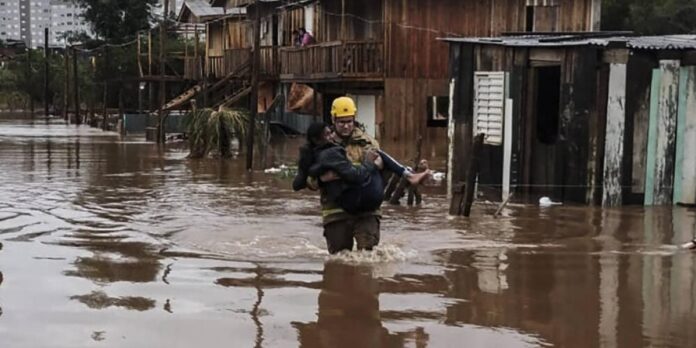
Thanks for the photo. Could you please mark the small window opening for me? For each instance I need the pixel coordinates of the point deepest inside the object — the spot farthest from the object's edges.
(438, 111)
(529, 23)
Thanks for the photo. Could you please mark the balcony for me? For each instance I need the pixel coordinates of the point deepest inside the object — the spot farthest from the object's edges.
(338, 60)
(193, 68)
(232, 59)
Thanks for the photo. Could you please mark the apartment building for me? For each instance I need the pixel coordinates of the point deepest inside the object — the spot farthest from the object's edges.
(26, 20)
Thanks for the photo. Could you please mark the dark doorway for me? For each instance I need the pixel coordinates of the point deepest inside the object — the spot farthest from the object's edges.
(543, 163)
(548, 103)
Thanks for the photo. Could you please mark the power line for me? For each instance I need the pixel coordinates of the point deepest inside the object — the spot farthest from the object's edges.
(321, 11)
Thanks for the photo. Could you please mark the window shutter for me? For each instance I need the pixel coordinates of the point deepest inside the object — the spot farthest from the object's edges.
(489, 106)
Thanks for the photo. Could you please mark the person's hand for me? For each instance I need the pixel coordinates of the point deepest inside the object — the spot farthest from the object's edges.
(329, 176)
(372, 155)
(312, 185)
(379, 162)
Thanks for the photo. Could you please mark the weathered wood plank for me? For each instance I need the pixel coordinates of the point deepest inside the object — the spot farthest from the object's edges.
(666, 142)
(598, 120)
(460, 127)
(614, 143)
(518, 93)
(450, 143)
(685, 166)
(507, 145)
(664, 134)
(577, 100)
(639, 79)
(472, 174)
(652, 138)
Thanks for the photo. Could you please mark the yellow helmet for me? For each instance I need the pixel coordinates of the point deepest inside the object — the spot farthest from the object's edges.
(343, 107)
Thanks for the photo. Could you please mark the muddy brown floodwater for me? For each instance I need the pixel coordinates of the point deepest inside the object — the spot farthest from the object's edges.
(112, 242)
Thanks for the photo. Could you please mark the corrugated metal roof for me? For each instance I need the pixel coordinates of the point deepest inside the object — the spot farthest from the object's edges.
(202, 9)
(669, 42)
(664, 42)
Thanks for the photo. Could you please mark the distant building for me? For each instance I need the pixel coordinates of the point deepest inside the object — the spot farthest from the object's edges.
(9, 20)
(65, 17)
(26, 20)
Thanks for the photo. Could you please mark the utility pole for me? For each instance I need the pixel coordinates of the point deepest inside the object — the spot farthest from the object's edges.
(107, 75)
(28, 82)
(46, 72)
(163, 84)
(76, 88)
(66, 85)
(150, 90)
(253, 100)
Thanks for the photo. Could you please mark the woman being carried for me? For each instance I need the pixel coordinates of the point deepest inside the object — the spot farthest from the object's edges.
(361, 187)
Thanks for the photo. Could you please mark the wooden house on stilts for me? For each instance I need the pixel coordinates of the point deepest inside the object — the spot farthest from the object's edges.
(385, 54)
(594, 118)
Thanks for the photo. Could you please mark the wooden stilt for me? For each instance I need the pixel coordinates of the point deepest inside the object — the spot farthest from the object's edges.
(472, 175)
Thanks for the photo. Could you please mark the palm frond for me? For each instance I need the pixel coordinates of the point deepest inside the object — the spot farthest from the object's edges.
(211, 131)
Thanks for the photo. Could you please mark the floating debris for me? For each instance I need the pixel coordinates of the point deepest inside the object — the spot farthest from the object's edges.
(547, 202)
(282, 170)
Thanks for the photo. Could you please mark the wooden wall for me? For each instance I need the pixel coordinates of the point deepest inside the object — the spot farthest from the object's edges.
(405, 117)
(580, 117)
(292, 19)
(579, 110)
(214, 38)
(492, 58)
(639, 80)
(363, 20)
(238, 33)
(236, 3)
(412, 28)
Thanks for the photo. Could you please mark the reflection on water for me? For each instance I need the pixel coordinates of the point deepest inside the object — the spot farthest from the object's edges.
(113, 240)
(2, 278)
(99, 300)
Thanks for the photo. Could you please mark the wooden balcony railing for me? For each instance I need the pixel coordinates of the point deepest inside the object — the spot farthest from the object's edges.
(270, 64)
(216, 66)
(193, 68)
(232, 59)
(338, 59)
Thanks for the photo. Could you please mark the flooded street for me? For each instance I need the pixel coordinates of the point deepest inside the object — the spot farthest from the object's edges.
(113, 242)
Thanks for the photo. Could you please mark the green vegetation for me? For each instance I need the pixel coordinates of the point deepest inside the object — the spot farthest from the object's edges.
(118, 21)
(650, 17)
(210, 132)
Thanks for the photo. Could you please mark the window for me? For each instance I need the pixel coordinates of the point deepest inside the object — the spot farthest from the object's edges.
(438, 111)
(542, 15)
(529, 24)
(489, 105)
